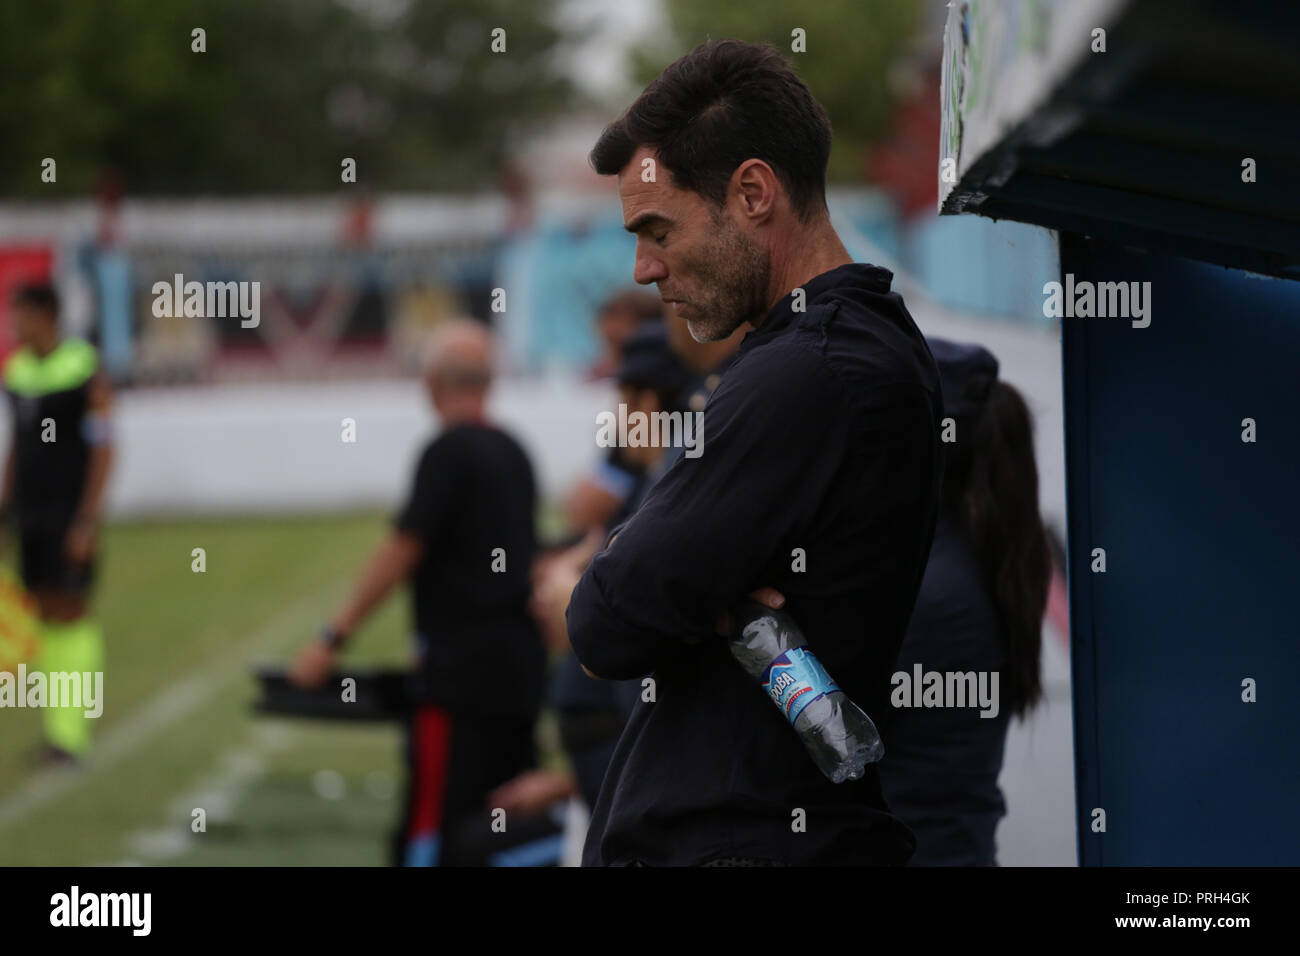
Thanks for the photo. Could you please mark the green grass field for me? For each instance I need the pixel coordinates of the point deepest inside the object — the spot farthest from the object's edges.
(178, 733)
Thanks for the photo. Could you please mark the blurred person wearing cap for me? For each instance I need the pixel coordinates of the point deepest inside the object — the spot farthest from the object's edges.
(598, 496)
(980, 609)
(702, 365)
(651, 378)
(56, 472)
(822, 436)
(464, 541)
(617, 318)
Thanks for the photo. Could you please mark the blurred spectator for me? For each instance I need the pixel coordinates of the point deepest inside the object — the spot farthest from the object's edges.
(465, 542)
(596, 498)
(708, 360)
(980, 608)
(651, 379)
(618, 317)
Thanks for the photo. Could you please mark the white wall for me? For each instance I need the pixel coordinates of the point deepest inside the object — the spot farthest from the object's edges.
(278, 448)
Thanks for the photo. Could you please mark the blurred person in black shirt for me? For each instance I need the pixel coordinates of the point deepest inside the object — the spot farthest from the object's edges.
(980, 610)
(464, 540)
(822, 438)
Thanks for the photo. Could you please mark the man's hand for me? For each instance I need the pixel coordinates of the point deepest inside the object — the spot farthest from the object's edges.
(312, 666)
(79, 544)
(550, 598)
(768, 597)
(531, 791)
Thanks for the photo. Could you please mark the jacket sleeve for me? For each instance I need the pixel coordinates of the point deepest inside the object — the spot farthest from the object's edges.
(701, 540)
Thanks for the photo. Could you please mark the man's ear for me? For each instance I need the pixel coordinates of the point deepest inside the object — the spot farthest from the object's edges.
(757, 188)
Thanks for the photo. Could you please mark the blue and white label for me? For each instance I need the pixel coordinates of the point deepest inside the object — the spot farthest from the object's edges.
(795, 679)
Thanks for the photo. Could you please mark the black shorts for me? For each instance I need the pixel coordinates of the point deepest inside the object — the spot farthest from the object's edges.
(453, 763)
(43, 554)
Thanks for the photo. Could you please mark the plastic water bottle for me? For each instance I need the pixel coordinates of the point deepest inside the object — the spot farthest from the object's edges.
(839, 736)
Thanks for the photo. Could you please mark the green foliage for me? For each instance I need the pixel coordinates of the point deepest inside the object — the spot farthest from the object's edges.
(851, 46)
(285, 91)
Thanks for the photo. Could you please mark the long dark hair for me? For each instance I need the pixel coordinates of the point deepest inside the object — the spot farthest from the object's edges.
(991, 484)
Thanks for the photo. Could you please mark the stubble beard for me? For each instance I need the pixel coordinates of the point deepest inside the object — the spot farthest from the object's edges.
(736, 274)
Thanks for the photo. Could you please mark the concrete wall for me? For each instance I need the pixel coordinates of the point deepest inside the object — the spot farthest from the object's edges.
(278, 448)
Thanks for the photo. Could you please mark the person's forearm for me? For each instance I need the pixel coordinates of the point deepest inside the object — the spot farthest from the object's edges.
(389, 566)
(97, 469)
(610, 642)
(590, 506)
(580, 554)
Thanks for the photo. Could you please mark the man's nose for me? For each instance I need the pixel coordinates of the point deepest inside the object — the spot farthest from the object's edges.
(648, 269)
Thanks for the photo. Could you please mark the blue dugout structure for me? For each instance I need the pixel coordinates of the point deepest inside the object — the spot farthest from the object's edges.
(1162, 141)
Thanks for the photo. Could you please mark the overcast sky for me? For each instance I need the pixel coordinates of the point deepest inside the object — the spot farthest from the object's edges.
(598, 67)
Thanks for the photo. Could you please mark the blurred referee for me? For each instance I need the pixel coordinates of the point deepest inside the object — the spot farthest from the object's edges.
(59, 457)
(465, 541)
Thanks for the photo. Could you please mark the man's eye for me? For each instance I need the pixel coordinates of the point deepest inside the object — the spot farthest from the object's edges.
(659, 239)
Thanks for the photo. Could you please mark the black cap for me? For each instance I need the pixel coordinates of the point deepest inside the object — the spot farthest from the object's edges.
(649, 361)
(966, 373)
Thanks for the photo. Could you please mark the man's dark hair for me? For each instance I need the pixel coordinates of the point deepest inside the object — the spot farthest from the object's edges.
(723, 103)
(39, 296)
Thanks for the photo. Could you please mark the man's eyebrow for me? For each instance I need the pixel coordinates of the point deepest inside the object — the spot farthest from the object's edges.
(645, 219)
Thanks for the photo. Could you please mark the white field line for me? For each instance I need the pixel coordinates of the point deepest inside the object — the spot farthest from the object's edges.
(216, 794)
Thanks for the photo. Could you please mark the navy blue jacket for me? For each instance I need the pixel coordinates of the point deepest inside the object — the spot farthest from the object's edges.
(941, 766)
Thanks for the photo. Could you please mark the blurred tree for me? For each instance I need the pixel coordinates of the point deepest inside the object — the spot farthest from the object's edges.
(850, 48)
(285, 90)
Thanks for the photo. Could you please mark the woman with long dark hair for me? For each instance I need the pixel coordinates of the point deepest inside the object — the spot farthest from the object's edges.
(979, 610)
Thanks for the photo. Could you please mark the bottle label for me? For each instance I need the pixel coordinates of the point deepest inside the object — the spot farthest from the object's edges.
(795, 679)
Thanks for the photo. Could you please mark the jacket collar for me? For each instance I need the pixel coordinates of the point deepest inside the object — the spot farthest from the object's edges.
(859, 275)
